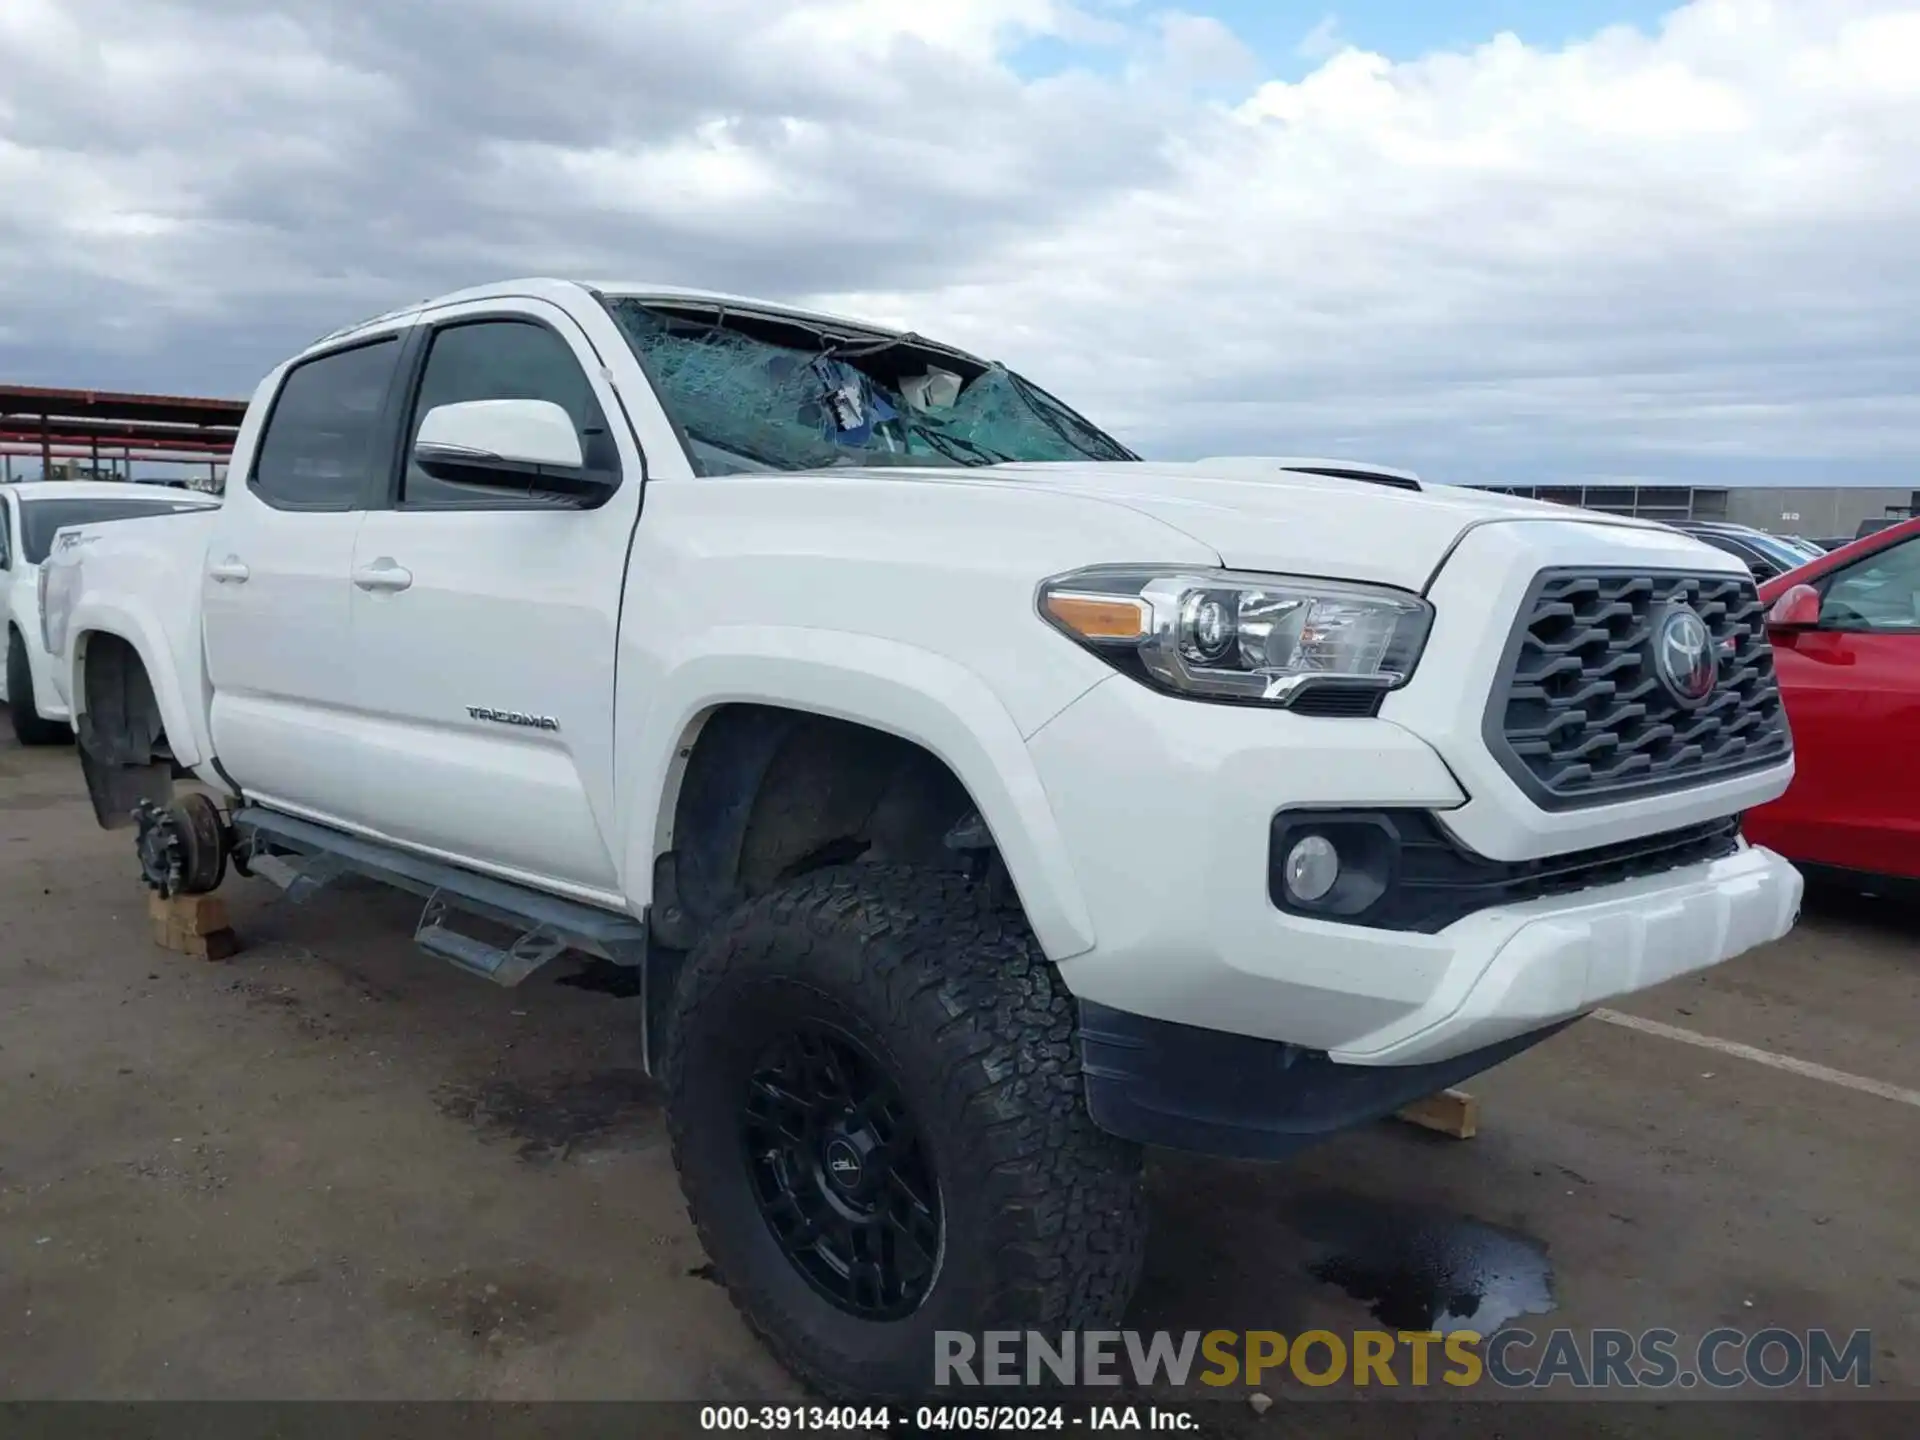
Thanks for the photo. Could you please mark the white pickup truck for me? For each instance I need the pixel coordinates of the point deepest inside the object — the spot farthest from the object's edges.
(976, 801)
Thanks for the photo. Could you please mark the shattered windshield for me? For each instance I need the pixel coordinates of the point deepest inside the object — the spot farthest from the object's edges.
(754, 392)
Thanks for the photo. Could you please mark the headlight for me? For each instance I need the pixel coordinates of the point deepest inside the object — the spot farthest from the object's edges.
(1223, 635)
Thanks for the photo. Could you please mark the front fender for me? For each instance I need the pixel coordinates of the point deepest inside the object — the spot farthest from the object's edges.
(919, 696)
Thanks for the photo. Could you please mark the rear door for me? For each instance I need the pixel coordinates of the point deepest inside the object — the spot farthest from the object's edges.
(1852, 689)
(275, 595)
(485, 621)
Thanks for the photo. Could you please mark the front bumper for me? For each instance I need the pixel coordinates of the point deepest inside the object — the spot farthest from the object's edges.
(1518, 968)
(1189, 1089)
(1173, 858)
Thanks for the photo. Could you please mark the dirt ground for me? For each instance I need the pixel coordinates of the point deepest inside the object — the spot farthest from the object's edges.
(333, 1167)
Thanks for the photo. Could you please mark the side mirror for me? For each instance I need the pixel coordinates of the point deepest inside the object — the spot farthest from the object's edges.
(503, 442)
(1796, 609)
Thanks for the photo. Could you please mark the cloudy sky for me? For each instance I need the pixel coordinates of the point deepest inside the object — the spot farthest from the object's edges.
(1520, 240)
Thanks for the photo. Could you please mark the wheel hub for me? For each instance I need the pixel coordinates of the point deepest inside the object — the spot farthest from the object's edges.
(845, 1166)
(160, 846)
(840, 1173)
(182, 848)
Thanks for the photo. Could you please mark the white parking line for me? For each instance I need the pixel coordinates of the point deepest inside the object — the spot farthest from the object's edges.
(1762, 1057)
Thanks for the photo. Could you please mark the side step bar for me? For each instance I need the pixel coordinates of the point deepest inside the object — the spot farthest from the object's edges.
(264, 841)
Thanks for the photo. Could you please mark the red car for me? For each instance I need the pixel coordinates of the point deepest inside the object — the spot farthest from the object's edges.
(1846, 638)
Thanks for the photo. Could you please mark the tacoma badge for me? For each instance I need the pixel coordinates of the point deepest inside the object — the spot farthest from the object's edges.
(513, 717)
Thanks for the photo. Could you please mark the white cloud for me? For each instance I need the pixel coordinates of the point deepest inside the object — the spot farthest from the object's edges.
(1198, 50)
(1323, 41)
(1683, 253)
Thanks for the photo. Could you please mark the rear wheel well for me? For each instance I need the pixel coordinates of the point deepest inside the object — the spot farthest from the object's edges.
(123, 741)
(768, 794)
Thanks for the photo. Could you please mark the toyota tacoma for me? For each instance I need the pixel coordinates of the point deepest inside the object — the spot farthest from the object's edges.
(973, 801)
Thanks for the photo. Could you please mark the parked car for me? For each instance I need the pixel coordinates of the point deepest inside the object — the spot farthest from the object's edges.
(1846, 634)
(1878, 523)
(975, 800)
(30, 512)
(1765, 555)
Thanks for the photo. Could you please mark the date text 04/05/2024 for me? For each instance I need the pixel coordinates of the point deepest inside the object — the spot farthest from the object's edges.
(794, 1419)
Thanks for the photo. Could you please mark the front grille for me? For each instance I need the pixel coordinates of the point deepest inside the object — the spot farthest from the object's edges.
(1429, 879)
(1580, 715)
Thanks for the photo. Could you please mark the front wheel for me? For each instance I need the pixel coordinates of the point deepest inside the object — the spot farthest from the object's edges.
(30, 727)
(876, 1108)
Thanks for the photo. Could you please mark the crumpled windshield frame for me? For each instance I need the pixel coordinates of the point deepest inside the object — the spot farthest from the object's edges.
(759, 391)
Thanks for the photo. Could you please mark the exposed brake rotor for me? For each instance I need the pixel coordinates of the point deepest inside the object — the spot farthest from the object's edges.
(182, 848)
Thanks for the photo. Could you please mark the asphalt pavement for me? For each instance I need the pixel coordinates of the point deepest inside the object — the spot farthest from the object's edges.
(332, 1167)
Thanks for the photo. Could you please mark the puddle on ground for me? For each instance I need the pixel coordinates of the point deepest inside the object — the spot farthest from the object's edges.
(563, 1115)
(1423, 1269)
(603, 977)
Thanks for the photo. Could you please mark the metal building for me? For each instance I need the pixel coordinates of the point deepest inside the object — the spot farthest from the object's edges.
(67, 434)
(1818, 511)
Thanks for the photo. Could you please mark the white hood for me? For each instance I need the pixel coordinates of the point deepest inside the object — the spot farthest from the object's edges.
(1281, 521)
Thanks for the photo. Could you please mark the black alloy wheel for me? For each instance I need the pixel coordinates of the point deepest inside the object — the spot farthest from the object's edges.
(877, 1113)
(840, 1174)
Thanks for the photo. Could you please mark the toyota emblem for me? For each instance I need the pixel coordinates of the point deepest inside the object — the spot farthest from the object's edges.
(1685, 657)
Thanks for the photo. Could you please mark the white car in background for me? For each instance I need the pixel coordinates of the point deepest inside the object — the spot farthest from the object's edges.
(30, 514)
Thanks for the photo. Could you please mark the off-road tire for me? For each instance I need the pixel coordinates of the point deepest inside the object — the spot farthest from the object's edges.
(940, 978)
(30, 727)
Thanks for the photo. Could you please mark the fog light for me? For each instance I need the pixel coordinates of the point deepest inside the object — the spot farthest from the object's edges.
(1312, 867)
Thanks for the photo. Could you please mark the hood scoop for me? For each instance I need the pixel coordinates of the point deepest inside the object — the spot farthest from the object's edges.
(1331, 469)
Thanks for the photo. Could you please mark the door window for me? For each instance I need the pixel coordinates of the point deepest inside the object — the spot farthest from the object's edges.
(1881, 592)
(318, 445)
(503, 360)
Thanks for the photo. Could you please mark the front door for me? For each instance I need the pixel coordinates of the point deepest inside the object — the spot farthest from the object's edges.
(485, 623)
(275, 592)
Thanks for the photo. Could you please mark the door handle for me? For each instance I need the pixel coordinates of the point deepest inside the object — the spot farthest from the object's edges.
(229, 571)
(383, 574)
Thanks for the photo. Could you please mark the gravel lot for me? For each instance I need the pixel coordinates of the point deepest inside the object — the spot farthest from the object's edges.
(333, 1167)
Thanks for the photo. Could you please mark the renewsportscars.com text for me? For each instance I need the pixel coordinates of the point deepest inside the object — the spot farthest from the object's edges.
(1769, 1359)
